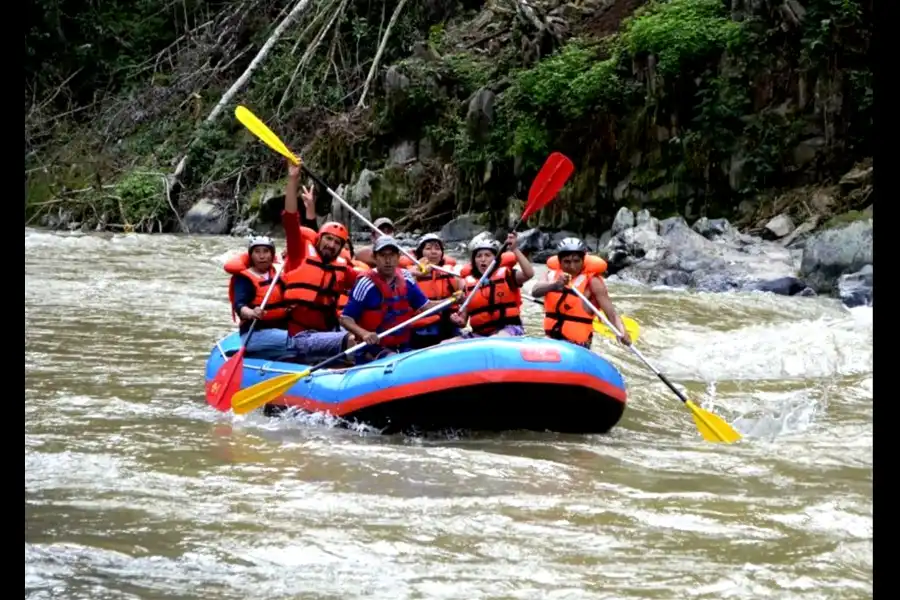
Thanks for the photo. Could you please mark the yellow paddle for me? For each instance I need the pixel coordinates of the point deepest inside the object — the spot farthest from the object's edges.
(712, 427)
(266, 391)
(262, 131)
(631, 326)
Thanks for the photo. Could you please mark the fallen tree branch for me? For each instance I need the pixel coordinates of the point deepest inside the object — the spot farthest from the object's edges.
(240, 83)
(310, 51)
(381, 47)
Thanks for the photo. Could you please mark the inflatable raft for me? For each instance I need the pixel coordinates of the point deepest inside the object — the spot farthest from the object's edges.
(488, 384)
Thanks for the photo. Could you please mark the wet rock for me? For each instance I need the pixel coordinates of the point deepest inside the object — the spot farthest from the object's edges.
(778, 227)
(679, 255)
(643, 220)
(480, 114)
(624, 220)
(712, 229)
(207, 216)
(401, 153)
(783, 286)
(834, 252)
(533, 240)
(797, 237)
(856, 177)
(856, 289)
(462, 228)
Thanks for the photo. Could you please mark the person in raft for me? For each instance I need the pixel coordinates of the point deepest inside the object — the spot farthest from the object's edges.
(436, 285)
(496, 307)
(383, 298)
(566, 317)
(251, 278)
(365, 254)
(316, 279)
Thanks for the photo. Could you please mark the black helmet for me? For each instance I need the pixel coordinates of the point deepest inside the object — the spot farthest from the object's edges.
(571, 245)
(428, 237)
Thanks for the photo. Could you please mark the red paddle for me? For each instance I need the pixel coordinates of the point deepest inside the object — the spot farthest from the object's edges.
(227, 381)
(550, 179)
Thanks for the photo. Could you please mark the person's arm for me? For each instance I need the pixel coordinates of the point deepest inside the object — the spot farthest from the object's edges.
(364, 294)
(244, 294)
(309, 219)
(603, 302)
(540, 289)
(526, 271)
(290, 219)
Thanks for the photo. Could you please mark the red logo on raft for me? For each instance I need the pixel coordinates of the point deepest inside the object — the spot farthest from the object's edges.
(540, 354)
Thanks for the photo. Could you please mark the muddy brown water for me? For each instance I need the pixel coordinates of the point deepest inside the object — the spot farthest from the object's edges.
(135, 488)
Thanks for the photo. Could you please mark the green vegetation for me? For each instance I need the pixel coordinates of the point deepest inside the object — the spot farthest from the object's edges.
(687, 108)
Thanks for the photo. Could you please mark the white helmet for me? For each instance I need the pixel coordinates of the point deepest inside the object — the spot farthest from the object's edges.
(260, 240)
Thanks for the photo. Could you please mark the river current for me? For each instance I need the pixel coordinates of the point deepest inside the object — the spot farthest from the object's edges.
(136, 488)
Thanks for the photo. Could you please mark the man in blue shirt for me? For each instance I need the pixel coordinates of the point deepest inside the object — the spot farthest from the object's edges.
(380, 300)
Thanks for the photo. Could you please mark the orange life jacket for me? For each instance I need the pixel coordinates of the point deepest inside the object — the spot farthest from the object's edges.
(394, 309)
(315, 292)
(405, 261)
(359, 266)
(564, 314)
(436, 285)
(495, 305)
(507, 259)
(592, 264)
(275, 311)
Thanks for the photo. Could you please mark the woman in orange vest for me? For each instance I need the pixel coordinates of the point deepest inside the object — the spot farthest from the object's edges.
(496, 307)
(565, 315)
(436, 285)
(252, 274)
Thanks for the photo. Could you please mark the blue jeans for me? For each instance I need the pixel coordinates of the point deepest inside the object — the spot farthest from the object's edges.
(267, 344)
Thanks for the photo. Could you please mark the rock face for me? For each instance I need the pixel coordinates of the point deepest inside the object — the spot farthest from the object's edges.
(207, 216)
(835, 261)
(710, 256)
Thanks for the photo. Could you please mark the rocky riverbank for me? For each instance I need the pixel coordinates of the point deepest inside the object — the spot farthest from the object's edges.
(819, 257)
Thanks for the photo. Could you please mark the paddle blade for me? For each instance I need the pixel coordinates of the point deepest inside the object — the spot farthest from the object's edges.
(631, 326)
(264, 392)
(226, 382)
(261, 130)
(712, 427)
(550, 179)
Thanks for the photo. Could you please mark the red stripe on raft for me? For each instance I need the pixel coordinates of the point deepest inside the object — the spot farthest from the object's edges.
(453, 381)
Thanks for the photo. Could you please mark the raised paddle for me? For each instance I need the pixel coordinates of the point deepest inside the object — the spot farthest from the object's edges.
(228, 380)
(266, 391)
(549, 180)
(712, 427)
(262, 131)
(631, 325)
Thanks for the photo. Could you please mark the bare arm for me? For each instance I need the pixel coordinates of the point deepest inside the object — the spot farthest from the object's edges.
(601, 298)
(541, 288)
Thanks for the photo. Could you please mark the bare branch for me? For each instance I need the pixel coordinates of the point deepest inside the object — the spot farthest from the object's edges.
(244, 78)
(381, 47)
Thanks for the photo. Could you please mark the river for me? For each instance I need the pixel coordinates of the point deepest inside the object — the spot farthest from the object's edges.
(136, 488)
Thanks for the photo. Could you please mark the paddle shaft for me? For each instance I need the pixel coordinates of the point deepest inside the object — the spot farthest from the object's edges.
(356, 214)
(395, 328)
(264, 302)
(631, 347)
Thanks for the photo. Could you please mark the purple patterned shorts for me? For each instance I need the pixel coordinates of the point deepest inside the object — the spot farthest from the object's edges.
(510, 330)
